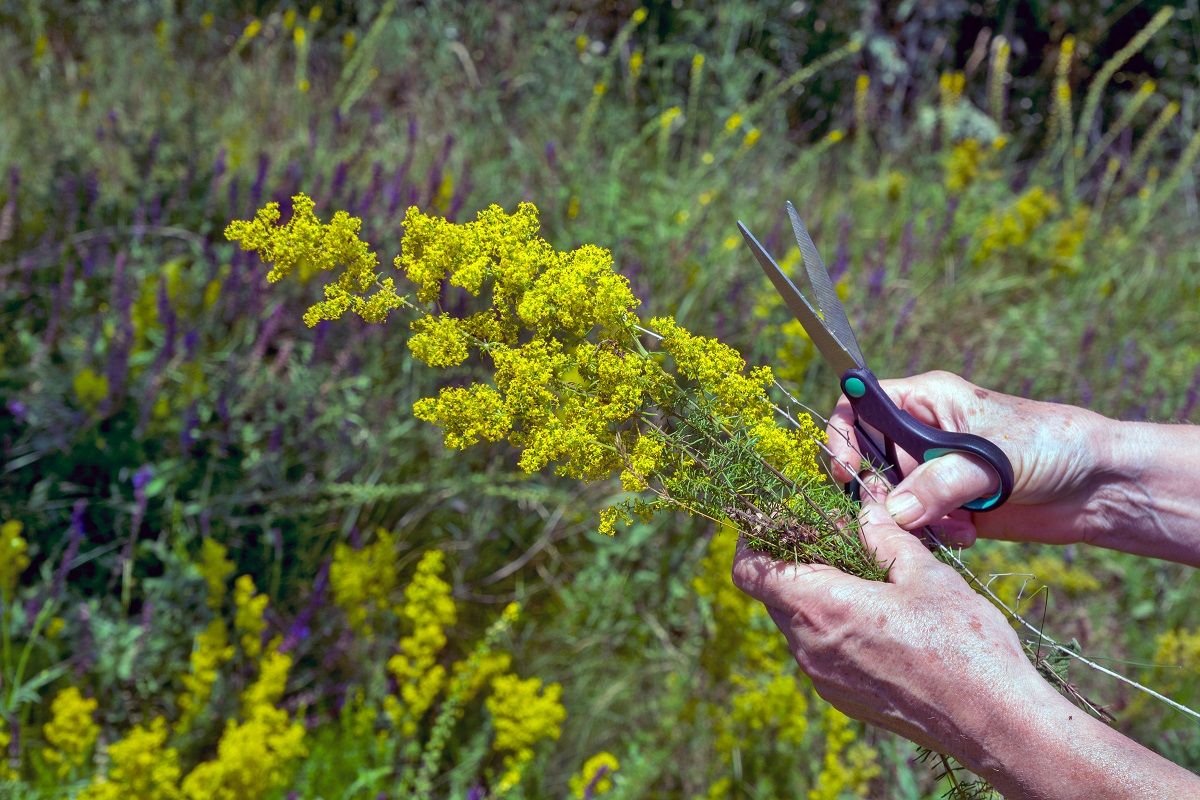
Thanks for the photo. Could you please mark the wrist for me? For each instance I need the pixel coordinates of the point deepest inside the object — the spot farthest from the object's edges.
(1145, 503)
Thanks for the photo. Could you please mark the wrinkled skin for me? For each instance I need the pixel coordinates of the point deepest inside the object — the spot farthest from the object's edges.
(925, 656)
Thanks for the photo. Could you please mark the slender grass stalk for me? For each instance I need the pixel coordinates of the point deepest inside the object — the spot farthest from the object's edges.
(1119, 126)
(1146, 145)
(1100, 82)
(998, 79)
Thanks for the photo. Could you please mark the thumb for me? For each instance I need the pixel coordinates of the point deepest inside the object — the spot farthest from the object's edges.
(937, 487)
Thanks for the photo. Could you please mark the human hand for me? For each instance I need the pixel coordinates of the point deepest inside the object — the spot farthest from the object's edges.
(1057, 453)
(922, 655)
(926, 657)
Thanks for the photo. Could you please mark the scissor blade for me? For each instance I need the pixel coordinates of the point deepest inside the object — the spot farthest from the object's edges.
(834, 353)
(828, 301)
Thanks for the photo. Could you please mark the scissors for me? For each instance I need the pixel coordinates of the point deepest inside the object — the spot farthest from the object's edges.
(879, 425)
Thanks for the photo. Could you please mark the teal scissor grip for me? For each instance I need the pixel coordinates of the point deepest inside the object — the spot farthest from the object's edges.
(980, 504)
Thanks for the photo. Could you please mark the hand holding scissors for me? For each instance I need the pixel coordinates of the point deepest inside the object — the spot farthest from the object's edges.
(879, 425)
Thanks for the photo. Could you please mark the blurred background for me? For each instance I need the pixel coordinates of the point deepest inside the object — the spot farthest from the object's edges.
(1003, 189)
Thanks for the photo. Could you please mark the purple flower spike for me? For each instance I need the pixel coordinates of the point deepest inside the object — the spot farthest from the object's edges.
(141, 479)
(256, 191)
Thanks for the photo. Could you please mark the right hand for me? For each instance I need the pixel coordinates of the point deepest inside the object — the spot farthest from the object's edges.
(1057, 453)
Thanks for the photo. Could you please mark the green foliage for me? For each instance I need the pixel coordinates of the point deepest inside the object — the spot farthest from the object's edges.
(156, 395)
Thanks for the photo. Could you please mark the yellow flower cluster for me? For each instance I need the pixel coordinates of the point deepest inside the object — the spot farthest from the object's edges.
(717, 369)
(1017, 579)
(429, 610)
(210, 651)
(305, 245)
(1066, 242)
(71, 731)
(363, 580)
(574, 389)
(849, 766)
(140, 766)
(90, 388)
(595, 778)
(1177, 656)
(248, 618)
(215, 567)
(13, 556)
(254, 756)
(768, 700)
(962, 165)
(439, 340)
(7, 773)
(466, 416)
(523, 714)
(740, 623)
(1012, 227)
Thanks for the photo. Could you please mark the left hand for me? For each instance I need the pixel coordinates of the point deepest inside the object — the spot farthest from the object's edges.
(925, 656)
(922, 655)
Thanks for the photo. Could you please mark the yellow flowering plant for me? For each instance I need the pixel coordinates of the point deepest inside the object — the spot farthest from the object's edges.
(578, 382)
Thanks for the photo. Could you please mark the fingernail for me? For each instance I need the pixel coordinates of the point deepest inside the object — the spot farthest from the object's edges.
(905, 508)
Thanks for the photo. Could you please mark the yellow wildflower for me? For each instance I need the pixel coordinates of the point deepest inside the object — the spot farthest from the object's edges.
(717, 368)
(71, 731)
(523, 714)
(636, 60)
(595, 778)
(1067, 241)
(210, 651)
(1177, 656)
(140, 766)
(733, 122)
(429, 610)
(363, 580)
(962, 165)
(466, 415)
(254, 757)
(7, 773)
(1012, 227)
(13, 556)
(91, 388)
(639, 15)
(439, 340)
(305, 244)
(215, 567)
(55, 627)
(751, 138)
(252, 29)
(268, 688)
(849, 766)
(248, 619)
(576, 293)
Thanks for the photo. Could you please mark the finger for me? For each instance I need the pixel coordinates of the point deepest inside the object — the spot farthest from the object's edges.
(937, 487)
(892, 544)
(955, 530)
(782, 584)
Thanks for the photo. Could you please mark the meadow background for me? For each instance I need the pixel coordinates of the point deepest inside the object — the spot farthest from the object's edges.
(232, 563)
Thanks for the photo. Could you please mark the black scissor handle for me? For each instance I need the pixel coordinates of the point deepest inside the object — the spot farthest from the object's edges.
(873, 407)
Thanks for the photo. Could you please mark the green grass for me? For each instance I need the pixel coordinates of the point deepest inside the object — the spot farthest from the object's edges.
(280, 441)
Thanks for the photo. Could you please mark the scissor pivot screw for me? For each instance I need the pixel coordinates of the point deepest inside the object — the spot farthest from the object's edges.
(855, 387)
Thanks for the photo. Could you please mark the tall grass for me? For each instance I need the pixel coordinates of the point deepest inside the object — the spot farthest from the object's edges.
(156, 396)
